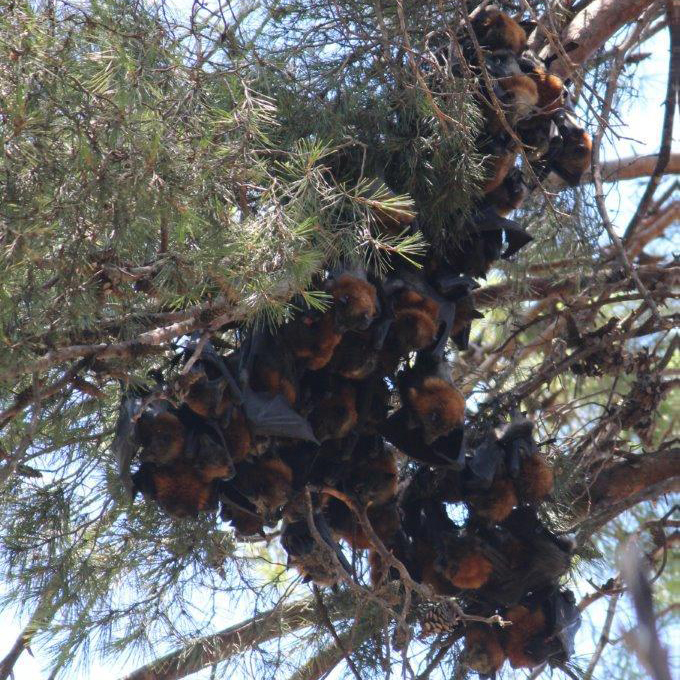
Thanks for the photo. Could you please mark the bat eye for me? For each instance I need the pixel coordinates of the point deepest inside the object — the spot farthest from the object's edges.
(435, 418)
(343, 300)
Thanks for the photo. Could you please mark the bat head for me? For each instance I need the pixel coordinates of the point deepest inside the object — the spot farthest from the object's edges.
(520, 94)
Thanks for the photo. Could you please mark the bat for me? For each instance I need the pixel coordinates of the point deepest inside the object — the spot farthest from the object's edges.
(126, 441)
(236, 509)
(572, 157)
(495, 30)
(495, 503)
(180, 489)
(334, 414)
(357, 355)
(446, 451)
(355, 300)
(518, 95)
(431, 397)
(483, 652)
(309, 558)
(422, 316)
(312, 338)
(510, 194)
(161, 432)
(533, 475)
(268, 415)
(267, 482)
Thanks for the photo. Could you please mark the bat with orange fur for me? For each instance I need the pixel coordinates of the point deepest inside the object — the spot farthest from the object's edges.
(431, 398)
(496, 30)
(355, 300)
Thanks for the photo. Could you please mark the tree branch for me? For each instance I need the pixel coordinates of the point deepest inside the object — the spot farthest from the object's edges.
(591, 28)
(238, 638)
(634, 167)
(672, 91)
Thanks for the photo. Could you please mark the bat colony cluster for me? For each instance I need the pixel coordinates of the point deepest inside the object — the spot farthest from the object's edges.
(310, 411)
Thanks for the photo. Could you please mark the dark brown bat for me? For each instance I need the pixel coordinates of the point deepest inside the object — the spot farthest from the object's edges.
(334, 414)
(358, 354)
(239, 511)
(447, 451)
(161, 433)
(312, 338)
(533, 475)
(267, 483)
(519, 97)
(431, 398)
(483, 652)
(528, 625)
(355, 300)
(572, 157)
(495, 30)
(308, 557)
(510, 194)
(180, 489)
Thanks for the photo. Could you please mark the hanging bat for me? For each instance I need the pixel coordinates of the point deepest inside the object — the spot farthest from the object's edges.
(180, 489)
(446, 451)
(419, 313)
(161, 433)
(334, 414)
(533, 475)
(358, 354)
(572, 157)
(355, 300)
(483, 652)
(519, 98)
(312, 338)
(239, 511)
(495, 30)
(310, 559)
(431, 398)
(268, 415)
(267, 482)
(510, 194)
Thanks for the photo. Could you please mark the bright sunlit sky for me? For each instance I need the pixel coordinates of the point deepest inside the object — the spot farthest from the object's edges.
(643, 118)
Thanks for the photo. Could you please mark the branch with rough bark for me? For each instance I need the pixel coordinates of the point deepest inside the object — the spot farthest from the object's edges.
(211, 649)
(589, 30)
(635, 167)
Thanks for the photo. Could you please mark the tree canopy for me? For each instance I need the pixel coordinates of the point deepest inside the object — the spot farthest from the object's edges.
(175, 176)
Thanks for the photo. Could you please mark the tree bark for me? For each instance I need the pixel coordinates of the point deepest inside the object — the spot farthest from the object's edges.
(591, 28)
(634, 167)
(212, 649)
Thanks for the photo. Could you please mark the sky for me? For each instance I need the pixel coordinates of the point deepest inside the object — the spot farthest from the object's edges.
(642, 118)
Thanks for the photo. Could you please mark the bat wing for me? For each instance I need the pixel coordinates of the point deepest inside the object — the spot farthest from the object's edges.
(126, 441)
(567, 620)
(462, 339)
(446, 451)
(325, 533)
(273, 416)
(484, 461)
(455, 286)
(516, 236)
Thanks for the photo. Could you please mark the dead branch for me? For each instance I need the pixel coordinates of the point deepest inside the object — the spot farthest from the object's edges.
(672, 91)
